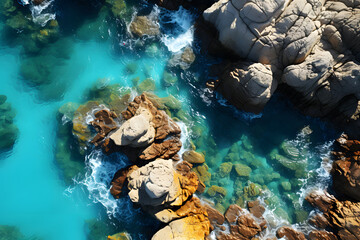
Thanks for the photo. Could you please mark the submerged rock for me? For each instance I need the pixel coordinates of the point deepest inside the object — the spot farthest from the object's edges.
(144, 25)
(193, 157)
(8, 130)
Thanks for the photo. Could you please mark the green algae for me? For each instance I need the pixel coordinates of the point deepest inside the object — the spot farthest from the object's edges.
(242, 170)
(225, 169)
(148, 85)
(13, 233)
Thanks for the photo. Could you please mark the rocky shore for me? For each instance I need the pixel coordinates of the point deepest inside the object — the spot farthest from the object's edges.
(309, 49)
(166, 183)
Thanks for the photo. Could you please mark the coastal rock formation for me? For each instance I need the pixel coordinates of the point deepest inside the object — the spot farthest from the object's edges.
(103, 123)
(343, 216)
(193, 157)
(346, 168)
(311, 46)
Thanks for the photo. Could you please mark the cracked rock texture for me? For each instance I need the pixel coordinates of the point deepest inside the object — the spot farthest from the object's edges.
(343, 216)
(346, 168)
(311, 47)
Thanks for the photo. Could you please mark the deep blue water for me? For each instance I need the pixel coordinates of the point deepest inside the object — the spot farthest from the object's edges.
(37, 199)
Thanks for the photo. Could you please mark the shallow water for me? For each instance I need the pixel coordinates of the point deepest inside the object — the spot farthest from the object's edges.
(36, 197)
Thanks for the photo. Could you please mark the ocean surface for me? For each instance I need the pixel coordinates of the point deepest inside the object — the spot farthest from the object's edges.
(52, 190)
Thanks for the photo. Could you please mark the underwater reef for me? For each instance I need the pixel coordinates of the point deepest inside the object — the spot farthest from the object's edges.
(8, 130)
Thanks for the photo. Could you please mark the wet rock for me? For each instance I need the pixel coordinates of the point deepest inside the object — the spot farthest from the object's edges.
(242, 170)
(319, 221)
(255, 208)
(242, 225)
(323, 235)
(248, 86)
(286, 186)
(144, 25)
(193, 157)
(103, 123)
(215, 217)
(183, 58)
(290, 234)
(119, 180)
(203, 173)
(214, 190)
(148, 85)
(188, 56)
(225, 169)
(166, 149)
(37, 2)
(346, 168)
(341, 215)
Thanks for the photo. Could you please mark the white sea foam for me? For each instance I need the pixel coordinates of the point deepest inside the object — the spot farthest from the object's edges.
(41, 13)
(181, 32)
(98, 177)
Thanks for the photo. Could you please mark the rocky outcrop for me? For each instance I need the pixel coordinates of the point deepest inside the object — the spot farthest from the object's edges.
(146, 134)
(311, 48)
(193, 157)
(346, 168)
(103, 123)
(343, 216)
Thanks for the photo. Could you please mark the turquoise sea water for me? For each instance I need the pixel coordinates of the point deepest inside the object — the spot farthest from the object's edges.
(39, 201)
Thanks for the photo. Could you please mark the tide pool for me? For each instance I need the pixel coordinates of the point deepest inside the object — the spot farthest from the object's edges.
(36, 197)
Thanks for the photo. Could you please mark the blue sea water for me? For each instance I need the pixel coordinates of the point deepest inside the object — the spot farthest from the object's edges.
(34, 196)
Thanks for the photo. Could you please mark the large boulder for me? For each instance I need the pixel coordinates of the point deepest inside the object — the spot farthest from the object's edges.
(247, 85)
(290, 234)
(157, 183)
(138, 131)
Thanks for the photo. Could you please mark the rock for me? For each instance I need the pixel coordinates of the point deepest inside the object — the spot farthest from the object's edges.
(242, 170)
(166, 149)
(321, 235)
(341, 215)
(225, 169)
(255, 208)
(158, 183)
(311, 49)
(286, 186)
(346, 168)
(80, 127)
(119, 236)
(103, 123)
(203, 173)
(188, 56)
(169, 79)
(120, 180)
(242, 225)
(148, 85)
(213, 190)
(290, 234)
(193, 157)
(138, 131)
(183, 58)
(8, 130)
(144, 25)
(194, 227)
(246, 85)
(319, 221)
(215, 217)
